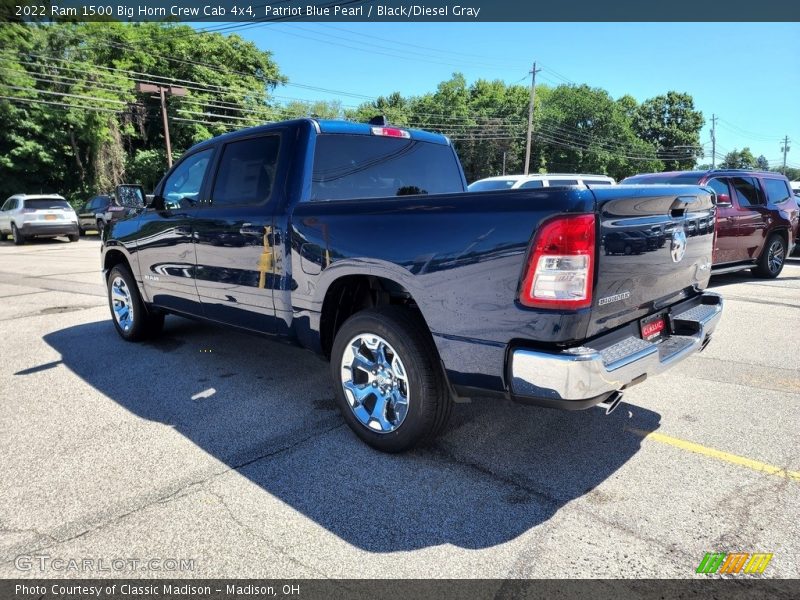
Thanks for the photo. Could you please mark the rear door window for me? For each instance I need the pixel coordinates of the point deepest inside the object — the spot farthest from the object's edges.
(748, 191)
(247, 172)
(365, 166)
(46, 203)
(562, 182)
(777, 190)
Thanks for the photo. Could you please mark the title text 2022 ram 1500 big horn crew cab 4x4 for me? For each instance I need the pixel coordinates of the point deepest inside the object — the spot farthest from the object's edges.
(360, 242)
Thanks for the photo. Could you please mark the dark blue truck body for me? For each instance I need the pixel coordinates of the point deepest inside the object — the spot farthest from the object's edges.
(297, 264)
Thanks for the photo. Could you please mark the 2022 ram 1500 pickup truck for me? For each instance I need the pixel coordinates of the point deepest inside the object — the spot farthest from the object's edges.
(360, 243)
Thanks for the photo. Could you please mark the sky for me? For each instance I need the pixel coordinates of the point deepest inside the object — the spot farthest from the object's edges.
(748, 74)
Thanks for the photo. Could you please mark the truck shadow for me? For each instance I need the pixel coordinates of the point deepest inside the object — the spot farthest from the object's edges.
(267, 411)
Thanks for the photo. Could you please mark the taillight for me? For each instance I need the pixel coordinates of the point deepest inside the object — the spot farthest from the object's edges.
(561, 264)
(391, 132)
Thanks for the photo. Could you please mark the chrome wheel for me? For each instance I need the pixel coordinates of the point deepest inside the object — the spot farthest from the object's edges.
(375, 383)
(775, 256)
(121, 304)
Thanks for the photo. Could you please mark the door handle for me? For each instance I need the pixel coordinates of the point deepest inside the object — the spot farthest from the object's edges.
(250, 229)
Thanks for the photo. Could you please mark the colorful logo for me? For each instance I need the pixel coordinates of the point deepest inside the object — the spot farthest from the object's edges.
(734, 562)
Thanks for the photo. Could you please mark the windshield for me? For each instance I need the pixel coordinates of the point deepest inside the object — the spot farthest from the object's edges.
(489, 185)
(46, 203)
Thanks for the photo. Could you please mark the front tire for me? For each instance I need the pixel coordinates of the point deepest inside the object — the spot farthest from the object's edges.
(388, 381)
(131, 318)
(101, 225)
(17, 236)
(773, 256)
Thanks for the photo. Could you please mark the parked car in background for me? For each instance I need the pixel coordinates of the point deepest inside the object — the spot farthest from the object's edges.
(101, 210)
(90, 215)
(795, 185)
(517, 182)
(756, 219)
(25, 216)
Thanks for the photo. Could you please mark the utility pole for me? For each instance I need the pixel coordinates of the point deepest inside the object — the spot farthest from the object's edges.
(785, 149)
(713, 141)
(162, 91)
(534, 71)
(504, 163)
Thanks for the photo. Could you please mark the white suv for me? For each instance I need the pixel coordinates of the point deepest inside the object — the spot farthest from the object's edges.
(516, 182)
(26, 216)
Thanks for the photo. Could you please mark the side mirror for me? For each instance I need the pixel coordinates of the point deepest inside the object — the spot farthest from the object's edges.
(723, 200)
(130, 195)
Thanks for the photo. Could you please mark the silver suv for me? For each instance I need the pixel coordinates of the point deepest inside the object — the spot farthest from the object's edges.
(26, 216)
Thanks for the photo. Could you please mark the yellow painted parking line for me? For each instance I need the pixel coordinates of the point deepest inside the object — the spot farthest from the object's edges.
(733, 459)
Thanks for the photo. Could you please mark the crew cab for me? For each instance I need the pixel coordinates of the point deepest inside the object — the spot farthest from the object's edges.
(756, 219)
(360, 242)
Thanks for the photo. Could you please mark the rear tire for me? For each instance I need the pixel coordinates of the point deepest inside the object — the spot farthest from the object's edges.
(396, 397)
(17, 236)
(773, 257)
(131, 318)
(74, 237)
(101, 225)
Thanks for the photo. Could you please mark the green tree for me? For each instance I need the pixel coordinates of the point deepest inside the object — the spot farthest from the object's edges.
(762, 163)
(739, 159)
(582, 129)
(77, 126)
(792, 173)
(671, 123)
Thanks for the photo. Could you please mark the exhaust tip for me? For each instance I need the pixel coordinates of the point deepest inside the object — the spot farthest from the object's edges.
(611, 403)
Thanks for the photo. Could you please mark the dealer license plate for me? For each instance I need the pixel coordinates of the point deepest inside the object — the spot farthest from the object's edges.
(654, 327)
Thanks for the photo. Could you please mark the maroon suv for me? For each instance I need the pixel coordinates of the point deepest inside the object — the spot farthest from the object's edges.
(757, 217)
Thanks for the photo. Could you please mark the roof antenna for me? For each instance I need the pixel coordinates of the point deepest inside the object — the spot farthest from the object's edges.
(379, 120)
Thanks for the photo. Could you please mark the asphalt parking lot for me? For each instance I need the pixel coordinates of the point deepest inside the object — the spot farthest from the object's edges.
(227, 450)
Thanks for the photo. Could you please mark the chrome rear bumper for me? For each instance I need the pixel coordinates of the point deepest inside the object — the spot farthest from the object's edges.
(589, 372)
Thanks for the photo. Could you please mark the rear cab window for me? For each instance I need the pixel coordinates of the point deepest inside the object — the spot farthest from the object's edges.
(364, 166)
(45, 203)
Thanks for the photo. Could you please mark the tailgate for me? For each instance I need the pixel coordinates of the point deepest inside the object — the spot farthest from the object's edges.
(655, 245)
